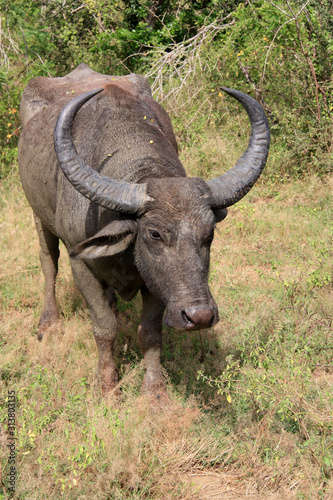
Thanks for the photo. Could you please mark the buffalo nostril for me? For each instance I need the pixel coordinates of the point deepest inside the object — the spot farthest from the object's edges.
(186, 319)
(198, 317)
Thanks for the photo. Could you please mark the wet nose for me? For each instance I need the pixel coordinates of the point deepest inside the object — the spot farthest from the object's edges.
(197, 317)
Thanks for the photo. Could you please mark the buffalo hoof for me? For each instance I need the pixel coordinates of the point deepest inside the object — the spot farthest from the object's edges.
(114, 395)
(158, 397)
(107, 382)
(47, 323)
(154, 388)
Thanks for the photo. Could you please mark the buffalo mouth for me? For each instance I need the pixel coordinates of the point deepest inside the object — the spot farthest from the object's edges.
(192, 318)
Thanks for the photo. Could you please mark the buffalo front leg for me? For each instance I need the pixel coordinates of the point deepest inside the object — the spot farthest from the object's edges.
(49, 255)
(104, 324)
(150, 339)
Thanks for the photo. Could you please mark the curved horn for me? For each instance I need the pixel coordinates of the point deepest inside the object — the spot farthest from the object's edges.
(234, 184)
(109, 193)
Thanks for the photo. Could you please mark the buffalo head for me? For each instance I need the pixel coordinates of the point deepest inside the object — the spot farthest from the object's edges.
(170, 221)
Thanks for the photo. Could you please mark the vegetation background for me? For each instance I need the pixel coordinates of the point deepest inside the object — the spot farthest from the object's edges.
(250, 410)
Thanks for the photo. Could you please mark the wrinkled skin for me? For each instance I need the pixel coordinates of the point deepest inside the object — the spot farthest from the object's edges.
(175, 265)
(163, 252)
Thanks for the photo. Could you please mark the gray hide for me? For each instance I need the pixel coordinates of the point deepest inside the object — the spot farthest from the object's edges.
(129, 217)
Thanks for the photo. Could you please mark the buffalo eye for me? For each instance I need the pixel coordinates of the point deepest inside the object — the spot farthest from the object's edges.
(155, 235)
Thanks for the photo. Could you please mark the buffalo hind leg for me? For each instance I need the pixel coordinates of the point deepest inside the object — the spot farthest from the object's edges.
(104, 325)
(49, 255)
(150, 339)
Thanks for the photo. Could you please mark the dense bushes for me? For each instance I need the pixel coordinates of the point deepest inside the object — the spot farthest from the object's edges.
(279, 52)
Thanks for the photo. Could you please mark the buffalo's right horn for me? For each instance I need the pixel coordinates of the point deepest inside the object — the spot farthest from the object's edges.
(109, 193)
(234, 184)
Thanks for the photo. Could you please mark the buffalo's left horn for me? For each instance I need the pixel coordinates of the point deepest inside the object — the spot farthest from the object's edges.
(109, 193)
(234, 184)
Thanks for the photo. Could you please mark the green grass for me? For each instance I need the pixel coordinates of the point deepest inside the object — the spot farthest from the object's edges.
(251, 402)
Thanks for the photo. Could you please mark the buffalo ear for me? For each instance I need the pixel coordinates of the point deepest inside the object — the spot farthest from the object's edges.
(220, 214)
(111, 240)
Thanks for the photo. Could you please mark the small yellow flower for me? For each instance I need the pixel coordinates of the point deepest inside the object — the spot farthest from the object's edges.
(151, 142)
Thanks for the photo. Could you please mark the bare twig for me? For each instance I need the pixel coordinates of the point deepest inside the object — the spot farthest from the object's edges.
(279, 8)
(25, 45)
(28, 48)
(292, 17)
(78, 8)
(258, 91)
(7, 45)
(175, 69)
(179, 60)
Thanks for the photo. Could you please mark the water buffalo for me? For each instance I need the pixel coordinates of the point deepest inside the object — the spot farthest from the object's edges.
(99, 166)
